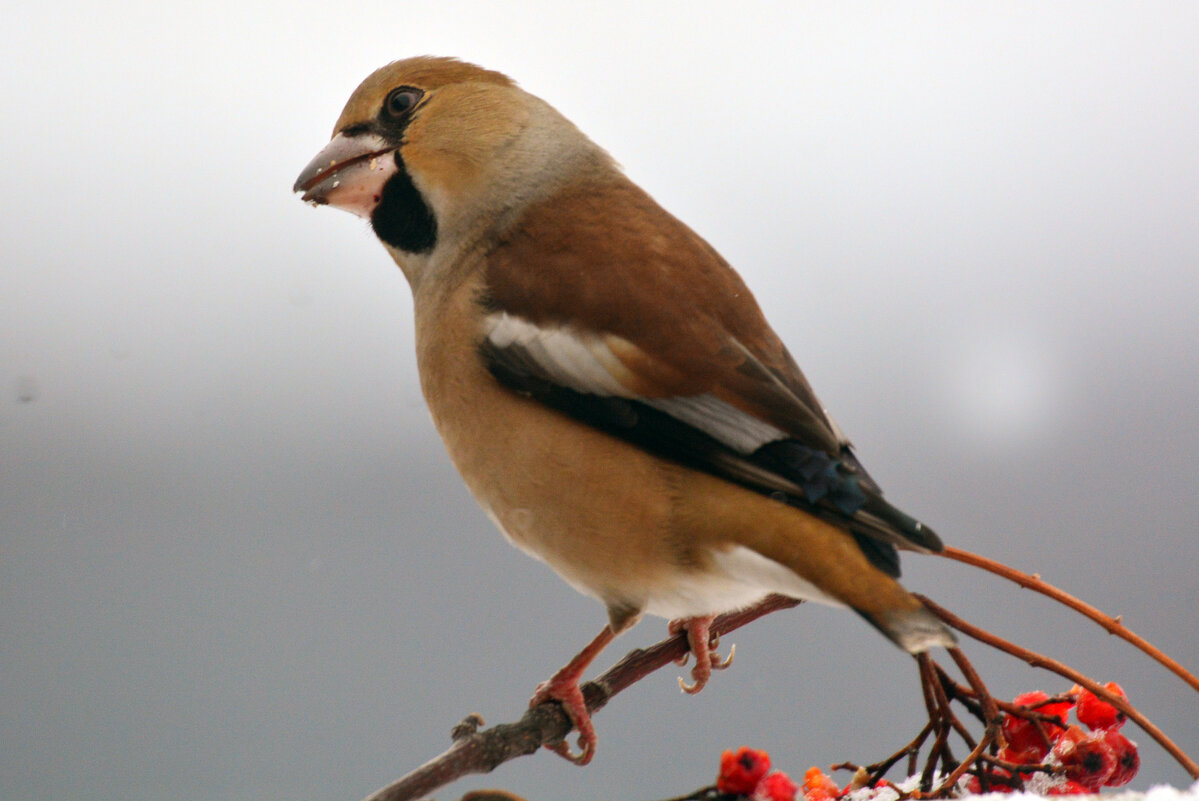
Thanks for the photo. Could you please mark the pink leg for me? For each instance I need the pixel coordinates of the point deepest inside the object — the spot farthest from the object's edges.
(563, 687)
(703, 645)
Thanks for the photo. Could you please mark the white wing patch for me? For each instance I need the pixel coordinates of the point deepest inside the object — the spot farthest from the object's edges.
(565, 357)
(723, 421)
(584, 362)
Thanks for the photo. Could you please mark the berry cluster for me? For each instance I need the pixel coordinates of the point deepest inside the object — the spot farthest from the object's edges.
(1039, 737)
(746, 772)
(1088, 760)
(819, 787)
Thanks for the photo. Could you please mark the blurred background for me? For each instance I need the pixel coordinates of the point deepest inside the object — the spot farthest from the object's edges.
(235, 562)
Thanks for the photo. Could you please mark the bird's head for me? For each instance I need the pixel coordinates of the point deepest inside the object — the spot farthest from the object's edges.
(438, 153)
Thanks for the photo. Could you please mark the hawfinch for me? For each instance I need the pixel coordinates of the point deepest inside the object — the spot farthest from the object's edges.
(602, 378)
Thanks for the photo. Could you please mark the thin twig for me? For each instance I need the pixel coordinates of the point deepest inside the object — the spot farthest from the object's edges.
(962, 694)
(879, 769)
(1113, 625)
(991, 717)
(951, 780)
(482, 751)
(1041, 661)
(941, 717)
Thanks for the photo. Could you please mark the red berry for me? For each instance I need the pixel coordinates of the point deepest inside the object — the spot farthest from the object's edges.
(1040, 702)
(1095, 713)
(1059, 710)
(1025, 743)
(818, 787)
(1128, 761)
(1031, 756)
(1068, 787)
(740, 771)
(1087, 759)
(776, 787)
(1000, 781)
(1030, 699)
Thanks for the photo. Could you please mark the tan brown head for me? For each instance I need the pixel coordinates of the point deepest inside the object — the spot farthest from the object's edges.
(435, 151)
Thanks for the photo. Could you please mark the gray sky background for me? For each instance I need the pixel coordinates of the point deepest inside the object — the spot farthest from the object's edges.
(234, 560)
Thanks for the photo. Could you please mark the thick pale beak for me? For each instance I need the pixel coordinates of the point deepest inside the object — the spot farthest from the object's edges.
(349, 173)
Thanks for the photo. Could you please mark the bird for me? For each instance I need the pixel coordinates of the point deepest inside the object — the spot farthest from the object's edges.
(603, 380)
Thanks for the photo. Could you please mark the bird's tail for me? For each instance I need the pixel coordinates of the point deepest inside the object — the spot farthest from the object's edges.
(829, 557)
(913, 628)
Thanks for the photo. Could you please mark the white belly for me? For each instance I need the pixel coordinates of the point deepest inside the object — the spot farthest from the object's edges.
(739, 578)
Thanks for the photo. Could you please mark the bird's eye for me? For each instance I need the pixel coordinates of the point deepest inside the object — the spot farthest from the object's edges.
(401, 101)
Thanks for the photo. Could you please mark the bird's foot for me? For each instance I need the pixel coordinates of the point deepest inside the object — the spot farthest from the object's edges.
(564, 688)
(703, 644)
(570, 696)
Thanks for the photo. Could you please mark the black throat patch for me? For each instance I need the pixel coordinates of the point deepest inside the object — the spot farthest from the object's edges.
(403, 219)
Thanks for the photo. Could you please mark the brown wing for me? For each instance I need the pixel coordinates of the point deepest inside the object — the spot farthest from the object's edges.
(606, 307)
(624, 266)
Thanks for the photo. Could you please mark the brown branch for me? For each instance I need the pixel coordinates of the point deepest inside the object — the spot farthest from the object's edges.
(1113, 625)
(1041, 661)
(477, 751)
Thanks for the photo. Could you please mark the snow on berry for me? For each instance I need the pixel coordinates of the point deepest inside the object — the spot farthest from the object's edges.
(1068, 787)
(819, 787)
(776, 786)
(1128, 761)
(1085, 757)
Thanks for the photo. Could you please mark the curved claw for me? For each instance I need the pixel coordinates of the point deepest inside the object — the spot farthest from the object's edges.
(715, 662)
(679, 626)
(581, 757)
(719, 662)
(703, 645)
(570, 696)
(571, 699)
